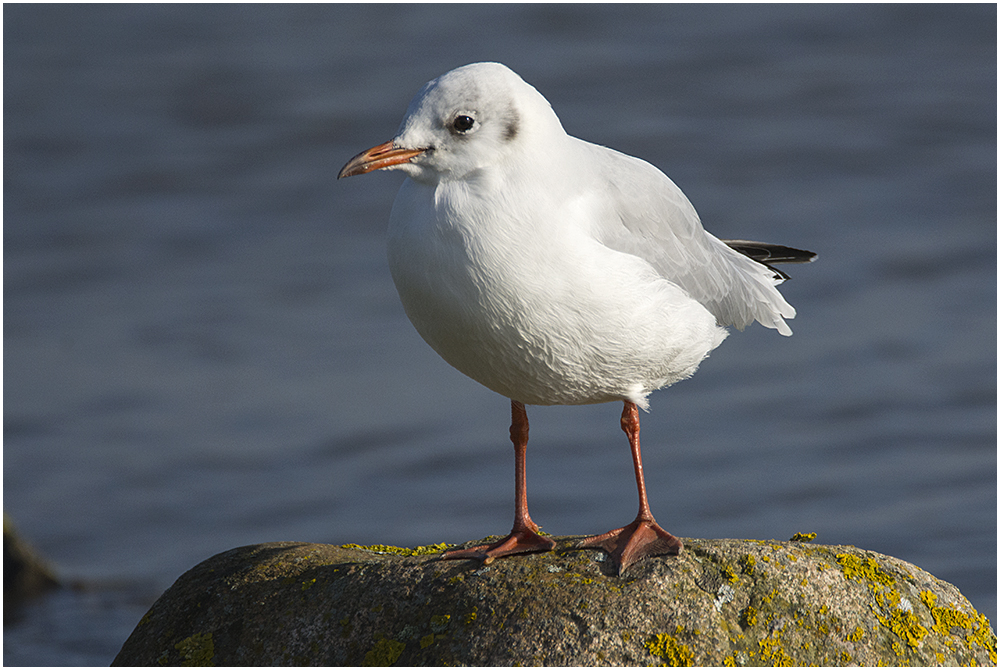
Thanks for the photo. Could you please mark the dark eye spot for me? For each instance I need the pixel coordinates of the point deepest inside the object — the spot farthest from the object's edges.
(463, 123)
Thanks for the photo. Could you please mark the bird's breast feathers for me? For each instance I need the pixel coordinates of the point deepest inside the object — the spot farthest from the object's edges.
(491, 290)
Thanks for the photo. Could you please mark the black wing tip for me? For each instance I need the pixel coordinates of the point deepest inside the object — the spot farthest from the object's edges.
(765, 253)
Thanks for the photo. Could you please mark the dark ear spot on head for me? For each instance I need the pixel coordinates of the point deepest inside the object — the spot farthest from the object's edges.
(512, 124)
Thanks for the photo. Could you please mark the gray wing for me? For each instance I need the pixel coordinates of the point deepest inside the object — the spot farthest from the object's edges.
(651, 218)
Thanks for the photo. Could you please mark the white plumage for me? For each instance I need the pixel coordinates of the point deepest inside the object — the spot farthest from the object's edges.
(549, 269)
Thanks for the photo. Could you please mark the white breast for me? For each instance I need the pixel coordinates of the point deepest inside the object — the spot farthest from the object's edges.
(539, 311)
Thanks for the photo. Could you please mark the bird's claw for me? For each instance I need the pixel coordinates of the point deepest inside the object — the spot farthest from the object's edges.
(640, 539)
(518, 542)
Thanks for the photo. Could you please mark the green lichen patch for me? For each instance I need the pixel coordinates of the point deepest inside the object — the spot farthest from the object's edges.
(423, 550)
(385, 653)
(196, 650)
(439, 622)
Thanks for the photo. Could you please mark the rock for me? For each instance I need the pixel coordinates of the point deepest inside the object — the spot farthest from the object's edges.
(25, 574)
(720, 602)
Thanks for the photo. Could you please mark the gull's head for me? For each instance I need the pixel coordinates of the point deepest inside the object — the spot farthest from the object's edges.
(469, 119)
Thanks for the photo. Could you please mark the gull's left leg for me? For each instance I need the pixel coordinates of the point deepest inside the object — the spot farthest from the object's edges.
(643, 537)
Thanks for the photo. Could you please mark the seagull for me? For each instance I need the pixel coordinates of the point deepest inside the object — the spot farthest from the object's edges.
(554, 271)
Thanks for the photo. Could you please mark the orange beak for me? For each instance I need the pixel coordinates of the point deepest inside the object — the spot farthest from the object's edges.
(377, 158)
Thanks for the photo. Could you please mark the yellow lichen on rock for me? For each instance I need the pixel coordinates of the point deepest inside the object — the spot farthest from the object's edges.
(835, 605)
(670, 650)
(772, 653)
(974, 628)
(867, 569)
(905, 625)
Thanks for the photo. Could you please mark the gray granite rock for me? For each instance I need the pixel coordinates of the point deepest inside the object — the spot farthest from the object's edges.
(720, 602)
(26, 574)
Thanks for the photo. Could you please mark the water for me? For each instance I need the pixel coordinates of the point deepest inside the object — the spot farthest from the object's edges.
(204, 349)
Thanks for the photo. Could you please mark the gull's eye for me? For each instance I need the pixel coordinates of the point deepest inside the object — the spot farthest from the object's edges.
(463, 123)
